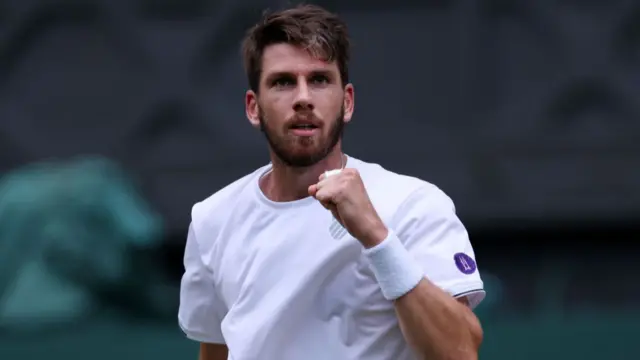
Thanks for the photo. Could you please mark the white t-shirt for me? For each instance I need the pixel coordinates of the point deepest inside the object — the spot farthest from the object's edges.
(284, 281)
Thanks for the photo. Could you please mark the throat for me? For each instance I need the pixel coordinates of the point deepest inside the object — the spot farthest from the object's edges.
(284, 183)
(283, 188)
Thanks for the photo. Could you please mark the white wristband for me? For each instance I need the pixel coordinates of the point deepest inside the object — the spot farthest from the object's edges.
(395, 269)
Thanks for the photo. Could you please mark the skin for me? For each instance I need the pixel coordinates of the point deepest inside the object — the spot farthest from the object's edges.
(294, 86)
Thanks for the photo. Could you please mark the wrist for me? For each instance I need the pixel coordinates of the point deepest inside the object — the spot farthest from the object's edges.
(375, 235)
(394, 268)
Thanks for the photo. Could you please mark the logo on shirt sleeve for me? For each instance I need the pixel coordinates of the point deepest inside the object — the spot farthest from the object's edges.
(465, 263)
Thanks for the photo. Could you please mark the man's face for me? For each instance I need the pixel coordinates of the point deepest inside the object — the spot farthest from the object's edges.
(302, 106)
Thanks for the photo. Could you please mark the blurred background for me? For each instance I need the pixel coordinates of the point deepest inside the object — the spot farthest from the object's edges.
(117, 116)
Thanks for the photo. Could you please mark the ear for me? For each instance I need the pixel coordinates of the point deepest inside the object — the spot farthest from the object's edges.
(252, 109)
(349, 102)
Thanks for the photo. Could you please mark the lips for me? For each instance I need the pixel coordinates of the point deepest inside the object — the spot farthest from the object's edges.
(305, 127)
(305, 124)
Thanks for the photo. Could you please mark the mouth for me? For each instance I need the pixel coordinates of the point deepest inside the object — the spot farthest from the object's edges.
(304, 128)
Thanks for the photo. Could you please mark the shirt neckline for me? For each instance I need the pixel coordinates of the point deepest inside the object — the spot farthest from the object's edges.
(294, 204)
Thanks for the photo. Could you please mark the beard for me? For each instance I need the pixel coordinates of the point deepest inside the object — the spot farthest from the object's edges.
(299, 152)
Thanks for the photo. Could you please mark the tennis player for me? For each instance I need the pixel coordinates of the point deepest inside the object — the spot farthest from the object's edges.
(319, 255)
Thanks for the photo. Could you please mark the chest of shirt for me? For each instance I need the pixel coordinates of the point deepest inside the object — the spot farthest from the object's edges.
(292, 257)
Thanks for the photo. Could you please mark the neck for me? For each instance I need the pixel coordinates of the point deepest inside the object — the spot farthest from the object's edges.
(286, 183)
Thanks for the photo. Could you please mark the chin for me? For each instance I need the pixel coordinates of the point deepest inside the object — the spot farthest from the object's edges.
(303, 158)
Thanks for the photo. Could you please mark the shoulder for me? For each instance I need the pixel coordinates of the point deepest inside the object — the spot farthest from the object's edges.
(208, 214)
(399, 192)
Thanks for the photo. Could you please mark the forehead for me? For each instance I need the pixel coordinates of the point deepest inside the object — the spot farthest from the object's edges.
(279, 58)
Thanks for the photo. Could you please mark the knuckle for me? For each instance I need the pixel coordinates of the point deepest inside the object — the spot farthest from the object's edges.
(345, 173)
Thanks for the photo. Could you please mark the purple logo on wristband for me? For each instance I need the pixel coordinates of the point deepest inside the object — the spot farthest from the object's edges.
(465, 263)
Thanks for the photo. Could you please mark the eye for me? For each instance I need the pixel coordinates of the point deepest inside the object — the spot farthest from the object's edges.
(319, 79)
(283, 82)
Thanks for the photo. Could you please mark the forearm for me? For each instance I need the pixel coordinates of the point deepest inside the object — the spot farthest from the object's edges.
(213, 352)
(436, 325)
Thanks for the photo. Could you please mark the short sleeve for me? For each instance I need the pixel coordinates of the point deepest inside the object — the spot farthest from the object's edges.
(200, 313)
(431, 231)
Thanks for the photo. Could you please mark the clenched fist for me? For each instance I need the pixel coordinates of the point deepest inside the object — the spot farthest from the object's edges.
(345, 196)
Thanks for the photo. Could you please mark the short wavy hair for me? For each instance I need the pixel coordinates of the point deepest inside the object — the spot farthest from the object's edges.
(322, 33)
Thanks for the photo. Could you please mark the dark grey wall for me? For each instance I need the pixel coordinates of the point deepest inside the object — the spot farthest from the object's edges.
(518, 109)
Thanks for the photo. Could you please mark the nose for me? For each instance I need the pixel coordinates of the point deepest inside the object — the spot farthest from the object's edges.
(303, 97)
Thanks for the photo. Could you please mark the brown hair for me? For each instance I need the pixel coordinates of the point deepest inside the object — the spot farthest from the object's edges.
(311, 27)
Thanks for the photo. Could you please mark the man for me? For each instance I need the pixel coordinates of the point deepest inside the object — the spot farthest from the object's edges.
(294, 261)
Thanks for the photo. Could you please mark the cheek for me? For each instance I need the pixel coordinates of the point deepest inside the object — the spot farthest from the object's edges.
(335, 101)
(273, 118)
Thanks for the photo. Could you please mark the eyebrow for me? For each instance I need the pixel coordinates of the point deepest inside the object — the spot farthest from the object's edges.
(280, 74)
(327, 73)
(277, 75)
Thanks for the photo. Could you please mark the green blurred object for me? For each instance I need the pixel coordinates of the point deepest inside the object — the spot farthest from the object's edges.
(69, 232)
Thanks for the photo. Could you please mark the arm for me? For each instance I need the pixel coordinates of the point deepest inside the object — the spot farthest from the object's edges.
(435, 316)
(201, 312)
(213, 352)
(436, 325)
